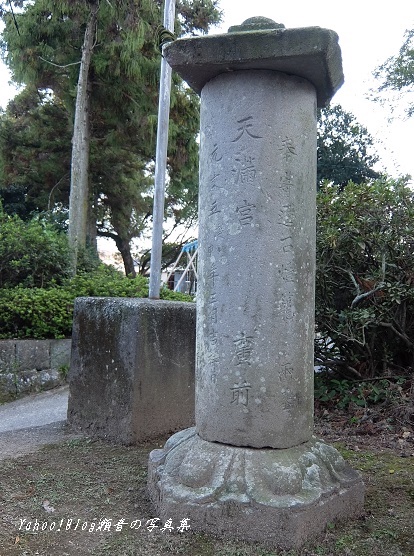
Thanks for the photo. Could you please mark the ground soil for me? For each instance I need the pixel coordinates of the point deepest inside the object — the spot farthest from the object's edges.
(89, 481)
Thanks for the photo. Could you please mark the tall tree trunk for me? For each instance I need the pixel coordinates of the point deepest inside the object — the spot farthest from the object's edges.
(124, 247)
(91, 229)
(79, 183)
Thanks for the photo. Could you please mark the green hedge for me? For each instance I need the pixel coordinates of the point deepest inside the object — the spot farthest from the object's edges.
(47, 313)
(35, 313)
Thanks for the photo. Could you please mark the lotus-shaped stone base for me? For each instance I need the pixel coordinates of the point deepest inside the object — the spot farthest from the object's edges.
(279, 497)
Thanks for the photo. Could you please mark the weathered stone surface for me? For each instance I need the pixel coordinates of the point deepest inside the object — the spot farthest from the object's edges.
(37, 380)
(255, 302)
(8, 386)
(7, 355)
(31, 366)
(60, 353)
(254, 24)
(279, 497)
(310, 52)
(16, 384)
(132, 368)
(33, 354)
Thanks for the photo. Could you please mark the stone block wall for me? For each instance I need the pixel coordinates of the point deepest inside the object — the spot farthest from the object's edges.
(32, 365)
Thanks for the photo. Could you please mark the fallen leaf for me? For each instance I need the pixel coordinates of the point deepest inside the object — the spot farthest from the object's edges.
(46, 505)
(19, 496)
(17, 540)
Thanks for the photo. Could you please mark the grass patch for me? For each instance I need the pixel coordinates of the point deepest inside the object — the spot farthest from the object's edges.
(89, 482)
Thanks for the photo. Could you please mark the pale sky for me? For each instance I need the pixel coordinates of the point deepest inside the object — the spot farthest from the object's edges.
(369, 33)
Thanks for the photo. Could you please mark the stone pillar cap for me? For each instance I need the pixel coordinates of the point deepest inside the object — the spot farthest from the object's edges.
(309, 52)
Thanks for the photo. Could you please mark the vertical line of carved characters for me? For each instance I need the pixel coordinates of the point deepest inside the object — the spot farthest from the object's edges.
(214, 181)
(215, 157)
(214, 361)
(287, 243)
(286, 220)
(290, 403)
(288, 151)
(213, 275)
(212, 308)
(213, 314)
(214, 208)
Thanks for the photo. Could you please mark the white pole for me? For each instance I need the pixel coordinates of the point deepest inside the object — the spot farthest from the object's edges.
(161, 161)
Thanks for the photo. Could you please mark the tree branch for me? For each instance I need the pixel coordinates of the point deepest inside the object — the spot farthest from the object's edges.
(14, 18)
(399, 334)
(53, 188)
(337, 364)
(362, 296)
(57, 65)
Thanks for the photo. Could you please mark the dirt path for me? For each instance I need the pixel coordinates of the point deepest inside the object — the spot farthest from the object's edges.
(18, 443)
(29, 423)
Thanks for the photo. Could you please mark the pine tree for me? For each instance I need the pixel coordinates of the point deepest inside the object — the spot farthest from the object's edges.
(345, 148)
(46, 48)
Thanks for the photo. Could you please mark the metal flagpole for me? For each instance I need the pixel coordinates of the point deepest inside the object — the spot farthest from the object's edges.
(161, 161)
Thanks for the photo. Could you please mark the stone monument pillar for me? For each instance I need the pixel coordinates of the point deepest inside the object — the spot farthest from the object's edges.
(251, 467)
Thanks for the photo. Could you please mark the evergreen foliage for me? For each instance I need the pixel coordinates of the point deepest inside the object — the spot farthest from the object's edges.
(397, 73)
(32, 253)
(345, 148)
(365, 277)
(42, 46)
(35, 139)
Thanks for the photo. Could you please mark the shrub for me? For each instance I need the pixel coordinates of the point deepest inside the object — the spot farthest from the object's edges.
(48, 313)
(333, 393)
(365, 278)
(106, 281)
(171, 295)
(36, 313)
(32, 253)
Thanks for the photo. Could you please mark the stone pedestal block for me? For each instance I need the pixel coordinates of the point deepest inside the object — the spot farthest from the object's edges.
(277, 497)
(132, 368)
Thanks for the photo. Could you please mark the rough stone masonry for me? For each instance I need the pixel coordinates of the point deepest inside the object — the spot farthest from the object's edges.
(251, 467)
